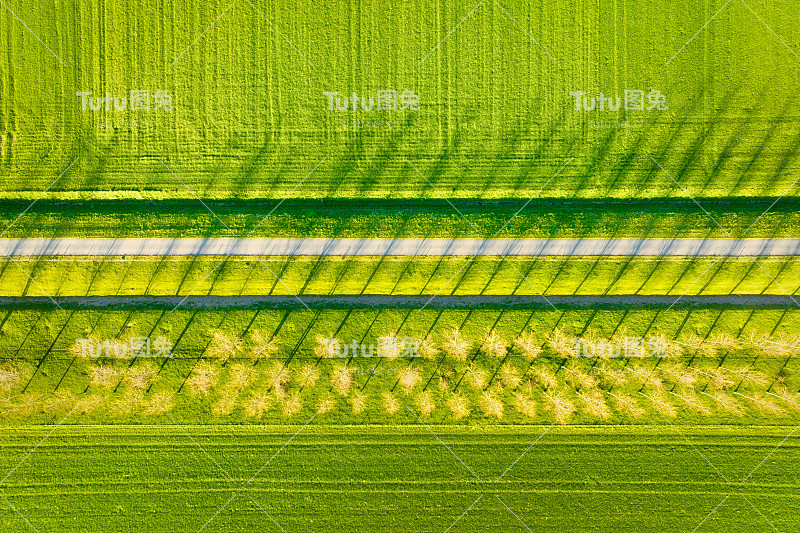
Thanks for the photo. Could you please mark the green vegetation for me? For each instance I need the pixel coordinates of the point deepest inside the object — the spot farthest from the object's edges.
(398, 276)
(433, 219)
(496, 119)
(33, 334)
(474, 366)
(398, 478)
(255, 423)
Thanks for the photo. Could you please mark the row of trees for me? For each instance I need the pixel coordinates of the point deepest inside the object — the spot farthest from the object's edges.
(457, 346)
(458, 390)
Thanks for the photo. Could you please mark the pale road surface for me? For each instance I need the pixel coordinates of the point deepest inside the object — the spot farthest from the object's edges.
(375, 301)
(402, 247)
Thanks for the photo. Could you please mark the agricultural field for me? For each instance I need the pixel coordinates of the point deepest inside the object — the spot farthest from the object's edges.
(427, 218)
(450, 392)
(303, 276)
(390, 478)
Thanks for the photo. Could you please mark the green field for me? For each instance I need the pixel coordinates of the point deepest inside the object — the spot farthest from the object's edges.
(432, 276)
(504, 423)
(399, 478)
(28, 332)
(433, 219)
(704, 376)
(496, 118)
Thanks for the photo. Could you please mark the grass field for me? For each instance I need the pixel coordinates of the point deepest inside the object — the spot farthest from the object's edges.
(496, 118)
(362, 219)
(429, 276)
(218, 377)
(393, 478)
(30, 333)
(258, 421)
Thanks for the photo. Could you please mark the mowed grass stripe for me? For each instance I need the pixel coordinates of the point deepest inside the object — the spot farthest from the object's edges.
(397, 276)
(327, 473)
(412, 218)
(430, 489)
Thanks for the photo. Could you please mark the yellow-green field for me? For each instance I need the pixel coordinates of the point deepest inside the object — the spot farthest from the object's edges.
(671, 405)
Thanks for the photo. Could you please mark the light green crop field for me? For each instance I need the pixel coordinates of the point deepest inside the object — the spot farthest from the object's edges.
(401, 478)
(492, 410)
(304, 276)
(221, 373)
(754, 218)
(496, 117)
(32, 333)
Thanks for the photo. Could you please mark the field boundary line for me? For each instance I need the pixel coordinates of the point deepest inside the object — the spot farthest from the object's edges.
(37, 446)
(718, 471)
(77, 404)
(526, 451)
(198, 445)
(474, 474)
(284, 446)
(442, 442)
(228, 475)
(772, 452)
